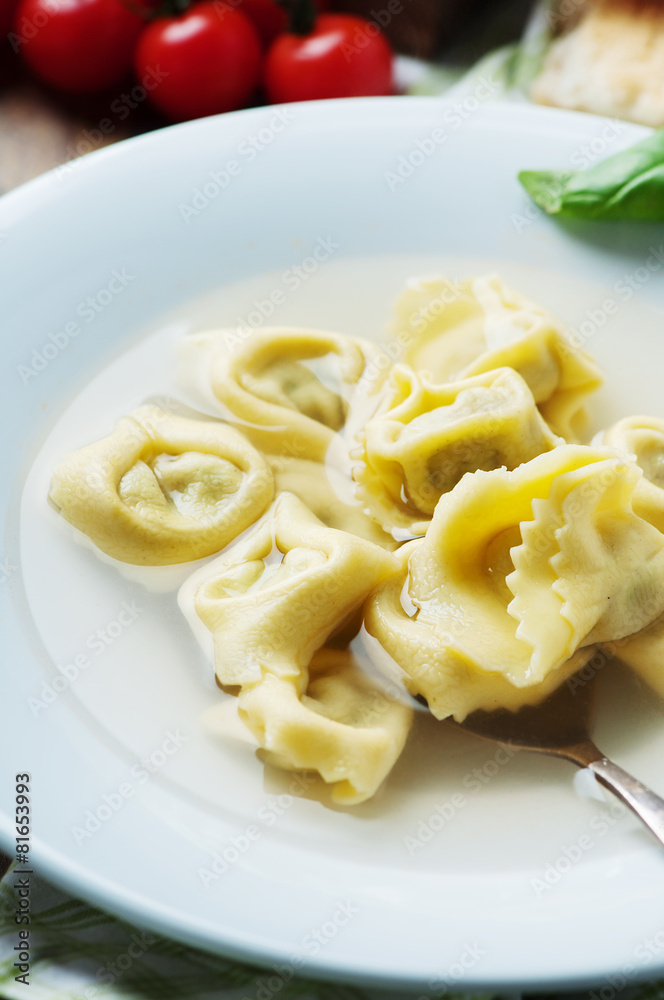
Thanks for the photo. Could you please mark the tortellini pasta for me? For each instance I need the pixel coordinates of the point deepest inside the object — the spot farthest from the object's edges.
(517, 572)
(290, 388)
(426, 437)
(434, 667)
(344, 727)
(270, 604)
(162, 488)
(316, 488)
(643, 437)
(273, 599)
(435, 503)
(644, 653)
(458, 330)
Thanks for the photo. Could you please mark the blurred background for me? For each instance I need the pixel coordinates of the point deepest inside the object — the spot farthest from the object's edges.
(71, 71)
(42, 127)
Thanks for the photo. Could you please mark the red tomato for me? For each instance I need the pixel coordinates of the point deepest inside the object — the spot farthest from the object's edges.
(80, 46)
(344, 56)
(209, 59)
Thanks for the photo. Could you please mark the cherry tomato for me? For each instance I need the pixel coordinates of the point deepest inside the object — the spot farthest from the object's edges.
(209, 58)
(344, 56)
(80, 46)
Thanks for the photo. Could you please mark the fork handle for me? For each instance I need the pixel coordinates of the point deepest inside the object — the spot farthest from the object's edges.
(640, 799)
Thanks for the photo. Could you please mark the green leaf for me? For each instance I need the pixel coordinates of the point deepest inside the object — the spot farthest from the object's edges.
(626, 187)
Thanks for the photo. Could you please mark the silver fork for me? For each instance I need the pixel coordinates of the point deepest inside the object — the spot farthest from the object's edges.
(560, 726)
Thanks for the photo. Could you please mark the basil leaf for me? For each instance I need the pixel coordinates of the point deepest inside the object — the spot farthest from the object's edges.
(628, 186)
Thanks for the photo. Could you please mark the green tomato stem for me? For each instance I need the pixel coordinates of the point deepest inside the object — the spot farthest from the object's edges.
(301, 15)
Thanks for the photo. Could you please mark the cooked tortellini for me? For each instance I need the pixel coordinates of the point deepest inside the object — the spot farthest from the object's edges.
(457, 330)
(644, 653)
(343, 727)
(643, 437)
(426, 437)
(370, 533)
(441, 672)
(270, 604)
(162, 488)
(320, 490)
(274, 598)
(517, 572)
(291, 388)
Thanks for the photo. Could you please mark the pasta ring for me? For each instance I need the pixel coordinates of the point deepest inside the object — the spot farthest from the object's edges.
(517, 572)
(284, 406)
(274, 598)
(459, 330)
(425, 437)
(163, 489)
(344, 727)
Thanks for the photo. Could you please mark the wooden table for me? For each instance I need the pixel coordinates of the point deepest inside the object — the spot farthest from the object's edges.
(40, 129)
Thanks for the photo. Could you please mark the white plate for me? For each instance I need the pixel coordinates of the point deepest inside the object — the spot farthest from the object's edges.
(340, 894)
